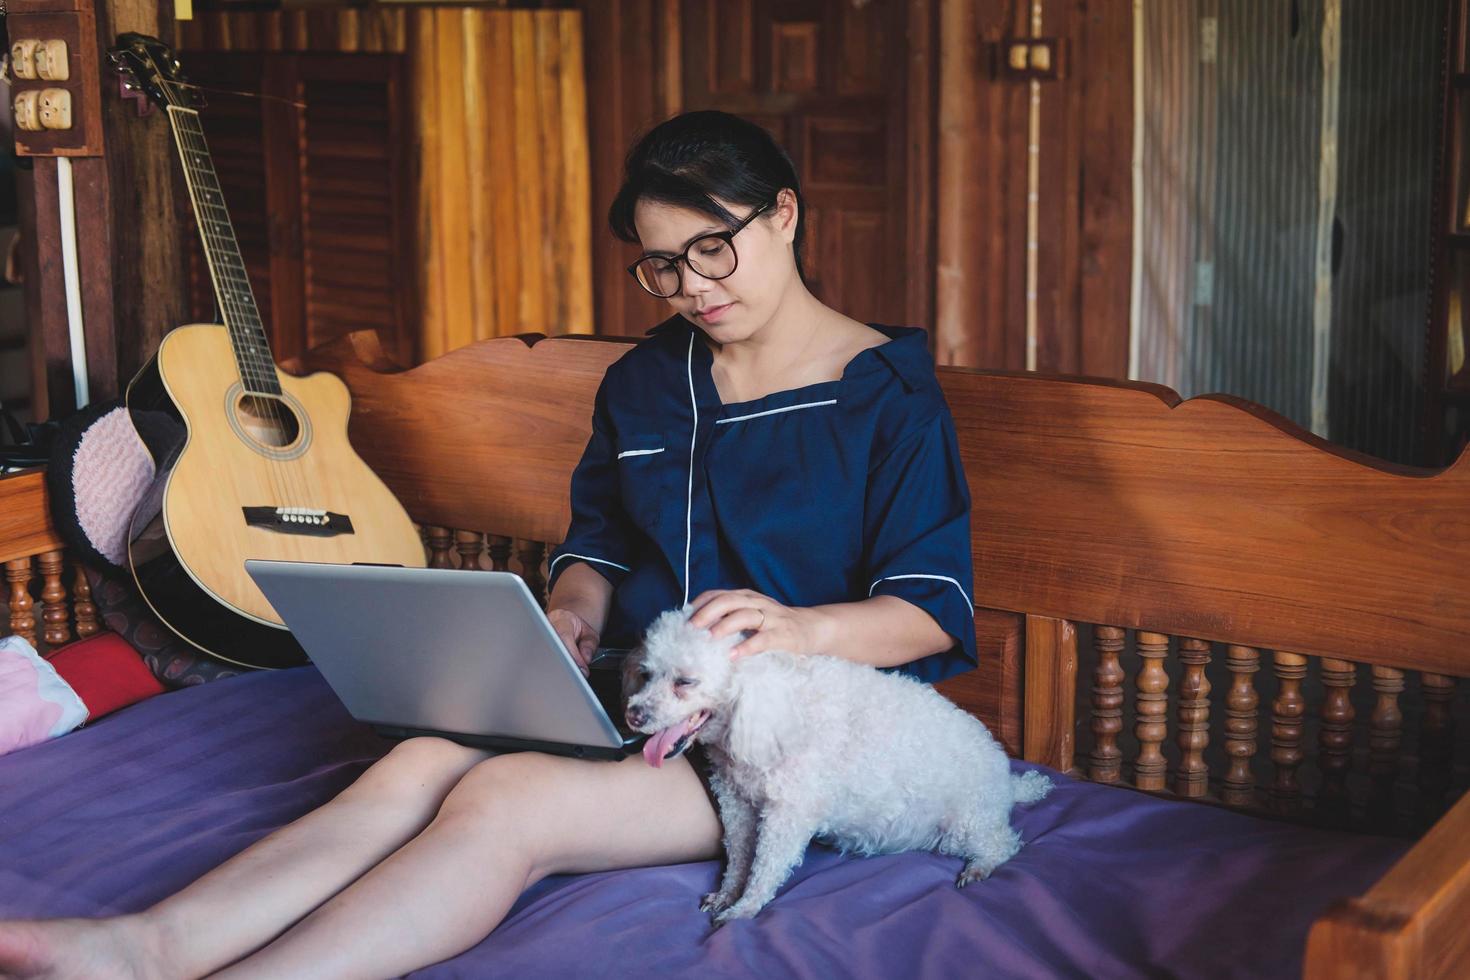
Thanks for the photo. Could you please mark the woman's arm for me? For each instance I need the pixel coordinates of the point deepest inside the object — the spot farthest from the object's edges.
(577, 608)
(884, 631)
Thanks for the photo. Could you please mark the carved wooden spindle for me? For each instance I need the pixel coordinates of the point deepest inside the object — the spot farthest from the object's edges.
(1286, 729)
(22, 623)
(1436, 741)
(1151, 710)
(471, 548)
(531, 553)
(1336, 738)
(1241, 705)
(1385, 734)
(441, 545)
(55, 617)
(1193, 778)
(1105, 765)
(82, 605)
(500, 547)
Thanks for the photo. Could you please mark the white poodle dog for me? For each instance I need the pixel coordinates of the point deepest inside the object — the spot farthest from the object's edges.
(815, 746)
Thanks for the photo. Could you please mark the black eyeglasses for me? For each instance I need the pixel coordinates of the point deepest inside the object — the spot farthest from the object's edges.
(712, 256)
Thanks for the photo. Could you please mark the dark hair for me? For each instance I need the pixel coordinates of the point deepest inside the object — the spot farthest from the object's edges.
(692, 159)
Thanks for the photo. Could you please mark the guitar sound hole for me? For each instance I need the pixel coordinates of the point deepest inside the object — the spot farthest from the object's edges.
(269, 421)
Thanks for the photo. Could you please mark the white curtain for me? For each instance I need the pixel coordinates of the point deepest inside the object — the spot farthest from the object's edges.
(1285, 171)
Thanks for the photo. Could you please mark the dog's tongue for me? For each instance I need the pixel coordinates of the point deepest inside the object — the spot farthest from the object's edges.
(660, 742)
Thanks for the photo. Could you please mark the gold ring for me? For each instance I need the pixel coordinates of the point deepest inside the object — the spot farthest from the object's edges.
(763, 620)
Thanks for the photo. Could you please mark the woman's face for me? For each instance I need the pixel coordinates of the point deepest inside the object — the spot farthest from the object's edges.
(732, 308)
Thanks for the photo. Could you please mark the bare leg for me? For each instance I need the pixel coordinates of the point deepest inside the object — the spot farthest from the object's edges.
(256, 895)
(513, 820)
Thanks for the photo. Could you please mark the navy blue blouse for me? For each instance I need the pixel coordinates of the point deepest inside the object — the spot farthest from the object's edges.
(827, 493)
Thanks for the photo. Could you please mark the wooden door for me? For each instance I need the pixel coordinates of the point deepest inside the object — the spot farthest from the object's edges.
(846, 88)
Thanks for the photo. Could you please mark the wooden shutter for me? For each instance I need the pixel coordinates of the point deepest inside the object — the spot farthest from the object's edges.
(315, 172)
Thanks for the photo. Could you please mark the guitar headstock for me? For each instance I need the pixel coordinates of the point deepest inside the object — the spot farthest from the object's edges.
(148, 66)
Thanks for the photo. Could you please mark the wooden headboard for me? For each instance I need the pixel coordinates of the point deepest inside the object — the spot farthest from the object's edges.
(1183, 540)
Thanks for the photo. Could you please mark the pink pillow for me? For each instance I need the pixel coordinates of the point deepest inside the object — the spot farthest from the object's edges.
(35, 703)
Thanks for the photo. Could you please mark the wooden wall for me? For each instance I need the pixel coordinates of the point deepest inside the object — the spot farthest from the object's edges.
(493, 119)
(848, 90)
(1076, 312)
(950, 183)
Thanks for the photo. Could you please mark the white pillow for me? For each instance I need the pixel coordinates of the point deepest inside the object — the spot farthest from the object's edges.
(35, 703)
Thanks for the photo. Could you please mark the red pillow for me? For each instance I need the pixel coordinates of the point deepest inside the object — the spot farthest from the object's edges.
(106, 673)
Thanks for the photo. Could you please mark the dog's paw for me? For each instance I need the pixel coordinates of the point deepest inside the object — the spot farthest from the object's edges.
(715, 902)
(740, 910)
(971, 875)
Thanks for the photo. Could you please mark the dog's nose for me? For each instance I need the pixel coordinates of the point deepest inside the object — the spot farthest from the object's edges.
(636, 717)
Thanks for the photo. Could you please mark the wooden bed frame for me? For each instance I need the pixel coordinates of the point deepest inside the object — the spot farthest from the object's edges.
(1104, 508)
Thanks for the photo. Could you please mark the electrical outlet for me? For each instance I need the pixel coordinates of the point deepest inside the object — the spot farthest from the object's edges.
(52, 62)
(23, 58)
(53, 45)
(54, 108)
(28, 110)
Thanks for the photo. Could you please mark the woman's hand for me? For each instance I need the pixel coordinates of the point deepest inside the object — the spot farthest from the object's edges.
(580, 638)
(793, 629)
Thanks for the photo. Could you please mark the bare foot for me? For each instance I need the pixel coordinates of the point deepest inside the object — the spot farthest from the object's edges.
(77, 949)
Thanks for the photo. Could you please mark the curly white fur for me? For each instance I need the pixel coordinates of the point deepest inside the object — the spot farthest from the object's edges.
(815, 746)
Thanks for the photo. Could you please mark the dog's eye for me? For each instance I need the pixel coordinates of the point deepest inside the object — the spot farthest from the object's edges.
(645, 675)
(685, 682)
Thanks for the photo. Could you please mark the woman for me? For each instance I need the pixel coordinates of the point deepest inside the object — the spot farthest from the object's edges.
(786, 470)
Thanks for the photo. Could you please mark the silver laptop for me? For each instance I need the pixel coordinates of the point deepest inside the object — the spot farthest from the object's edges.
(466, 655)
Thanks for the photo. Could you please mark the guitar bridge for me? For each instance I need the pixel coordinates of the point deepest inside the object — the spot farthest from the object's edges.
(298, 520)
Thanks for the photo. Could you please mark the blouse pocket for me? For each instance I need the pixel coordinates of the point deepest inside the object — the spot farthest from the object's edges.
(646, 477)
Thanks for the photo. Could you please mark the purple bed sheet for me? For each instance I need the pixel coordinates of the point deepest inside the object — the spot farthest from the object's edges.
(1111, 883)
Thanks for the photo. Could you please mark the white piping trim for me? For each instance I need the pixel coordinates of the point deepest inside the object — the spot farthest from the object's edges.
(942, 578)
(601, 561)
(694, 434)
(774, 411)
(638, 452)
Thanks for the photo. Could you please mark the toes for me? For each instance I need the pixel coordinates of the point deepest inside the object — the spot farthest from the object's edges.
(969, 876)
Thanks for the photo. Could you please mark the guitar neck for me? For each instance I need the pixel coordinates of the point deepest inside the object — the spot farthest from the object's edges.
(222, 253)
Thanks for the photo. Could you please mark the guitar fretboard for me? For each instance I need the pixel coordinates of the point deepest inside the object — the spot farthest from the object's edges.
(222, 252)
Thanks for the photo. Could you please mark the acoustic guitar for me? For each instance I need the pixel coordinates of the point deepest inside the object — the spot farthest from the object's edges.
(266, 470)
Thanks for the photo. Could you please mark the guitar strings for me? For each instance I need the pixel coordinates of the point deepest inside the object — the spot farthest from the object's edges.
(236, 306)
(263, 96)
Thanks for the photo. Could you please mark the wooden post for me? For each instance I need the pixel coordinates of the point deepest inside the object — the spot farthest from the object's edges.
(1051, 686)
(129, 237)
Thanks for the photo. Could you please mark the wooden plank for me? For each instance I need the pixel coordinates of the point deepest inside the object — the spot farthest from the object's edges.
(149, 212)
(480, 92)
(281, 125)
(1105, 65)
(45, 292)
(575, 248)
(1051, 690)
(93, 202)
(1116, 503)
(1411, 924)
(921, 113)
(504, 189)
(423, 37)
(458, 311)
(992, 691)
(551, 175)
(530, 309)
